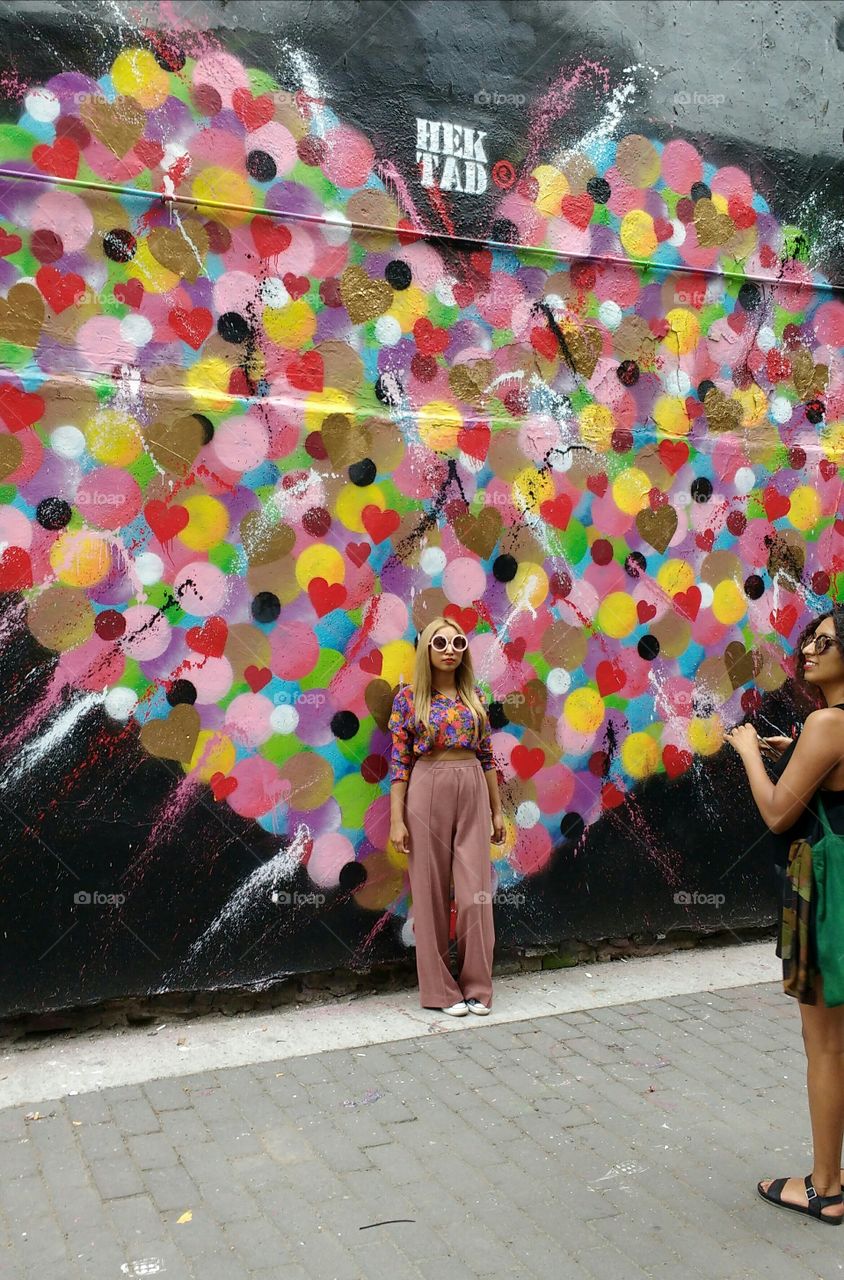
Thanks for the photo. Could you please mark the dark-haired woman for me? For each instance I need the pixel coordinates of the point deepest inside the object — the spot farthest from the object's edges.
(444, 808)
(811, 770)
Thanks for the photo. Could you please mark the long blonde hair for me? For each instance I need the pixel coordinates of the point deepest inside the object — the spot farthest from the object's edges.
(464, 677)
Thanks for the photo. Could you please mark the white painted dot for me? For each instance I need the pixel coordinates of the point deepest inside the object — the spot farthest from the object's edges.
(714, 289)
(284, 719)
(67, 442)
(387, 330)
(558, 680)
(780, 409)
(677, 382)
(678, 232)
(149, 567)
(273, 292)
(337, 227)
(119, 703)
(444, 291)
(527, 814)
(707, 595)
(745, 479)
(610, 315)
(555, 302)
(136, 329)
(42, 104)
(432, 561)
(766, 339)
(407, 934)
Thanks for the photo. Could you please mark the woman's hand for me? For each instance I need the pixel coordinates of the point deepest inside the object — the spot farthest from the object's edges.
(774, 746)
(400, 837)
(497, 827)
(744, 739)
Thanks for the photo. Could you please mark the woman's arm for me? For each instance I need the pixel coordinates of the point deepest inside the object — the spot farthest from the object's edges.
(819, 748)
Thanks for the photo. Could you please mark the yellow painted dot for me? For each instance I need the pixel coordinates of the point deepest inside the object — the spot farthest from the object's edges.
(637, 234)
(408, 306)
(223, 186)
(729, 603)
(832, 442)
(553, 185)
(397, 661)
(706, 735)
(671, 417)
(113, 437)
(155, 277)
(439, 425)
(208, 523)
(805, 510)
(208, 383)
(320, 560)
(584, 710)
(529, 587)
(720, 202)
(754, 405)
(292, 326)
(351, 501)
(214, 753)
(136, 74)
(617, 615)
(674, 576)
(80, 558)
(531, 488)
(683, 331)
(630, 490)
(640, 755)
(597, 423)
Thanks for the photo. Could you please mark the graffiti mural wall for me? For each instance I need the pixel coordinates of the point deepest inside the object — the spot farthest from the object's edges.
(277, 385)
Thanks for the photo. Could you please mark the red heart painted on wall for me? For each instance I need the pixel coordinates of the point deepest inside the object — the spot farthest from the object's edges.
(783, 619)
(19, 409)
(326, 596)
(514, 650)
(270, 237)
(578, 209)
(209, 639)
(474, 440)
(645, 611)
(222, 786)
(610, 678)
(688, 602)
(597, 484)
(253, 112)
(61, 291)
(776, 504)
(307, 373)
(8, 243)
(379, 524)
(296, 286)
(372, 663)
(527, 760)
(358, 552)
(15, 570)
(430, 341)
(165, 521)
(557, 511)
(827, 468)
(673, 453)
(257, 677)
(676, 760)
(129, 291)
(193, 327)
(465, 618)
(61, 158)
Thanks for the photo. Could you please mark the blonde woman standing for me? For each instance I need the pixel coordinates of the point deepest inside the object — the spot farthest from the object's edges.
(444, 809)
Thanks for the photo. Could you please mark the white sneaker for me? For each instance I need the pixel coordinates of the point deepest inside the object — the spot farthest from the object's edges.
(476, 1006)
(456, 1010)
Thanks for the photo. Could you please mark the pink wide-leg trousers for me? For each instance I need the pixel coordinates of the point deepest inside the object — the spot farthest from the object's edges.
(448, 818)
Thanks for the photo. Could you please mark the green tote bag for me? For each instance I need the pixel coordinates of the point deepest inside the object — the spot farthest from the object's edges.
(828, 876)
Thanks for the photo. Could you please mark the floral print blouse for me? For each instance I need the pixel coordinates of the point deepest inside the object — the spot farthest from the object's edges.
(451, 724)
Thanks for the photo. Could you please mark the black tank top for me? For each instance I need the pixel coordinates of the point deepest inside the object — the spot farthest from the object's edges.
(808, 824)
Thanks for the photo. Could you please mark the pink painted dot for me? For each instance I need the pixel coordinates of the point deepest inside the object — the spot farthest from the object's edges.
(682, 166)
(108, 498)
(15, 528)
(533, 849)
(147, 632)
(101, 344)
(829, 323)
(388, 616)
(464, 580)
(497, 302)
(212, 677)
(419, 475)
(248, 719)
(554, 788)
(349, 157)
(66, 215)
(331, 852)
(294, 648)
(376, 823)
(223, 72)
(93, 665)
(259, 787)
(731, 181)
(236, 291)
(277, 142)
(241, 443)
(200, 588)
(617, 284)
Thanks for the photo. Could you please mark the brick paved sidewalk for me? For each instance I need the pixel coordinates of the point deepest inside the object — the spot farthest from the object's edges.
(611, 1144)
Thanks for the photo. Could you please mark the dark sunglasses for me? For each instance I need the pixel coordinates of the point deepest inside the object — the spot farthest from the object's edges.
(441, 643)
(821, 643)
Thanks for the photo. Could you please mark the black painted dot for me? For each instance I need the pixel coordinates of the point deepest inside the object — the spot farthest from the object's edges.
(232, 327)
(363, 473)
(572, 827)
(504, 231)
(388, 389)
(750, 296)
(701, 489)
(703, 387)
(398, 274)
(815, 411)
(266, 607)
(700, 191)
(497, 718)
(207, 427)
(181, 691)
(119, 244)
(261, 166)
(648, 648)
(754, 587)
(344, 725)
(505, 568)
(628, 373)
(599, 189)
(53, 513)
(352, 876)
(635, 564)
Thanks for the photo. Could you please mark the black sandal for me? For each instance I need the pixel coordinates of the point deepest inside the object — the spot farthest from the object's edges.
(814, 1208)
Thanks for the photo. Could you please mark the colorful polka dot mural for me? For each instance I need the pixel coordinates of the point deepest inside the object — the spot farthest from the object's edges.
(258, 427)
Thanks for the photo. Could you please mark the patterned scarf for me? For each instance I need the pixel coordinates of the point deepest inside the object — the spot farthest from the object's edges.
(798, 971)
